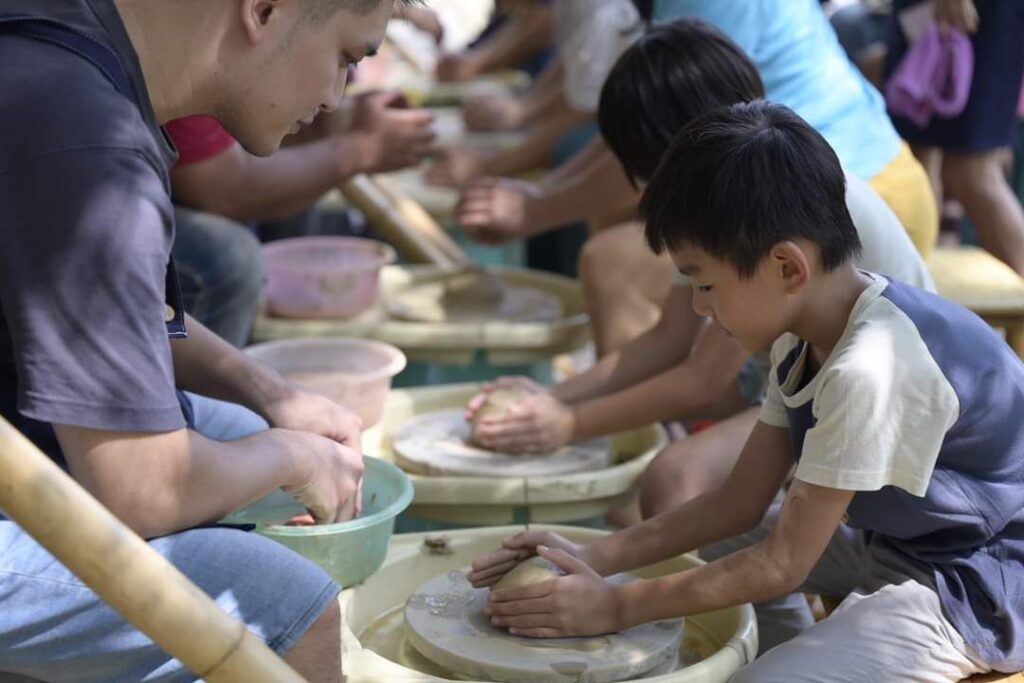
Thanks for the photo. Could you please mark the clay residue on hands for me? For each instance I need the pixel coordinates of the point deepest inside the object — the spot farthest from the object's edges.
(499, 402)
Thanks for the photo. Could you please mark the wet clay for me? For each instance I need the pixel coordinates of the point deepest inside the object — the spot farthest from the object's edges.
(498, 403)
(527, 573)
(475, 297)
(455, 634)
(440, 444)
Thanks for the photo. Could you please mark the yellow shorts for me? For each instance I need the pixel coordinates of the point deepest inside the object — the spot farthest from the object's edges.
(904, 186)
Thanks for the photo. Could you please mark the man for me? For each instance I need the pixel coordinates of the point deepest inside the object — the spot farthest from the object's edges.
(86, 364)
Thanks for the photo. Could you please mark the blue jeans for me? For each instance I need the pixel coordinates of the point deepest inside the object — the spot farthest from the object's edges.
(220, 267)
(54, 628)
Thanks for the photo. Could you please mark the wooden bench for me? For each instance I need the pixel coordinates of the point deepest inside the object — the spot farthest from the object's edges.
(983, 284)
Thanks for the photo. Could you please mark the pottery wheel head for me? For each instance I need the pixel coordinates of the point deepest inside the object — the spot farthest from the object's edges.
(445, 622)
(440, 444)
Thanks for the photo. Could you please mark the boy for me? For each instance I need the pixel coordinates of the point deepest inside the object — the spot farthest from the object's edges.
(88, 366)
(681, 369)
(900, 409)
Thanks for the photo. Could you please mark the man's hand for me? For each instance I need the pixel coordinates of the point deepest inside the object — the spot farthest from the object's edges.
(304, 411)
(390, 135)
(523, 384)
(494, 113)
(497, 210)
(488, 570)
(455, 167)
(330, 482)
(578, 604)
(457, 68)
(961, 15)
(537, 424)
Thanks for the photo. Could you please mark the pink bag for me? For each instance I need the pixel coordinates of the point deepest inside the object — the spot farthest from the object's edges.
(934, 78)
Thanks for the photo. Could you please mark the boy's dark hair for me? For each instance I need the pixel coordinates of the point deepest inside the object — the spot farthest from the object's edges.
(740, 179)
(672, 74)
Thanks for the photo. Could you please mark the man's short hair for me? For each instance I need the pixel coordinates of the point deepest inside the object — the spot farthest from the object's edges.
(321, 10)
(740, 179)
(672, 74)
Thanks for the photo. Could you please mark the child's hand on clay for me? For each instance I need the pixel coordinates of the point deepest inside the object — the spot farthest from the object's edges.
(578, 604)
(488, 570)
(497, 210)
(523, 384)
(491, 112)
(537, 424)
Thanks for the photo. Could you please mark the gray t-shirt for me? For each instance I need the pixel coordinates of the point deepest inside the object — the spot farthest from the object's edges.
(85, 236)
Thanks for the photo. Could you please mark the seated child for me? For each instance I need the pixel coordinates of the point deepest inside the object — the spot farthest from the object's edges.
(680, 368)
(900, 410)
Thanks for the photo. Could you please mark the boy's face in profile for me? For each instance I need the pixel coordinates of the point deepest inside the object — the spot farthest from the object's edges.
(752, 310)
(289, 68)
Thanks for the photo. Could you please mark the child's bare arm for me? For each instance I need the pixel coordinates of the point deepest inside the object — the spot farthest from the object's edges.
(734, 508)
(771, 568)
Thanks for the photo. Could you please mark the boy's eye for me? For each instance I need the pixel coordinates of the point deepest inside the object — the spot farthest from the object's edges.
(703, 289)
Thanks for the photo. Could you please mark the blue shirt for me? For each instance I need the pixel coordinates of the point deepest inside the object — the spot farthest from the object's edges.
(804, 67)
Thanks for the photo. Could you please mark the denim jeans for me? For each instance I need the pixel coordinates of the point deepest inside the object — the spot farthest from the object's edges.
(220, 267)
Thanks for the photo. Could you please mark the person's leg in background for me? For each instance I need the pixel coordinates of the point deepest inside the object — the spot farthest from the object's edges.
(979, 183)
(973, 143)
(220, 267)
(624, 285)
(694, 465)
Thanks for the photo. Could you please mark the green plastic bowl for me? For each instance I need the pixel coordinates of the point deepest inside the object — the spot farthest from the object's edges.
(349, 551)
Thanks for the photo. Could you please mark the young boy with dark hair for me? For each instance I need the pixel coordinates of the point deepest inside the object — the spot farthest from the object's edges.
(900, 410)
(682, 368)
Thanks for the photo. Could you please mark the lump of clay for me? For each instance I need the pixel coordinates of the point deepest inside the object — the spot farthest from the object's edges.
(497, 405)
(534, 570)
(473, 289)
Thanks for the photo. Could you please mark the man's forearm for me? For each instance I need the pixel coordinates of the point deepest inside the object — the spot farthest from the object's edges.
(206, 364)
(295, 178)
(164, 483)
(601, 189)
(516, 41)
(536, 150)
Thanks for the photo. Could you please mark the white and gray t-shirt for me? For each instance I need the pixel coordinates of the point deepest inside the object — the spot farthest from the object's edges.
(919, 409)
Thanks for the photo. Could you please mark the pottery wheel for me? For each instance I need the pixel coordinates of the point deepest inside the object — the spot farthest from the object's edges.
(438, 443)
(428, 303)
(444, 621)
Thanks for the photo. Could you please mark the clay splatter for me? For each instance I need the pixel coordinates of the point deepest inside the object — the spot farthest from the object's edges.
(447, 605)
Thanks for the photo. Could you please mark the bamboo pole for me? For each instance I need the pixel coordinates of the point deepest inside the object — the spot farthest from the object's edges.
(129, 575)
(404, 223)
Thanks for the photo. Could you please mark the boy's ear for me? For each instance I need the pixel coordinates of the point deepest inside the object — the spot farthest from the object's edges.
(791, 264)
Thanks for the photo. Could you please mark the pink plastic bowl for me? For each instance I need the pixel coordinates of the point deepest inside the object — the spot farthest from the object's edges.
(323, 277)
(356, 373)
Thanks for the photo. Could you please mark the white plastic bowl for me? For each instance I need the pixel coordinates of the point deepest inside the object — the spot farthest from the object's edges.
(357, 373)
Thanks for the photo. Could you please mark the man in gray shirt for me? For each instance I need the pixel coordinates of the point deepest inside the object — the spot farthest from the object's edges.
(87, 367)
